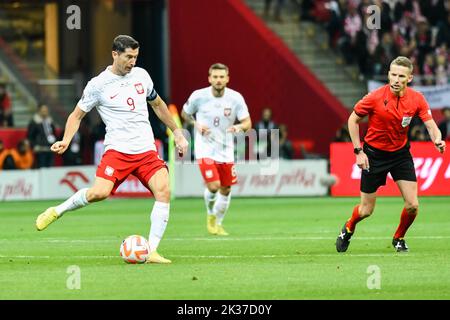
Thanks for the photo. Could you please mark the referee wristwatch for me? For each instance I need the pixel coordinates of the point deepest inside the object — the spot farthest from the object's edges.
(357, 150)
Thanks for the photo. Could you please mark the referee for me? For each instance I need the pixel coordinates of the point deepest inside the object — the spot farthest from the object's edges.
(386, 148)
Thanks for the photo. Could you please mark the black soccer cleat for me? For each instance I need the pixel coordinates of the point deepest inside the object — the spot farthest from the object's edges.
(400, 245)
(343, 240)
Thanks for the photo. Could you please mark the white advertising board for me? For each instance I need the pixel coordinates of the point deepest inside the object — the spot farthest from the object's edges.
(281, 178)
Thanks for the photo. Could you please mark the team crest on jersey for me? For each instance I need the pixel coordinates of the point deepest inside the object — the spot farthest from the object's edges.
(109, 171)
(227, 112)
(406, 121)
(139, 88)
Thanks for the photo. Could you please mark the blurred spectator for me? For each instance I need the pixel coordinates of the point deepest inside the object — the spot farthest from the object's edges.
(434, 11)
(306, 10)
(417, 130)
(277, 10)
(423, 42)
(444, 125)
(418, 29)
(352, 27)
(441, 70)
(443, 35)
(6, 160)
(4, 153)
(159, 132)
(428, 70)
(384, 53)
(286, 148)
(402, 7)
(342, 135)
(41, 133)
(334, 23)
(6, 117)
(264, 134)
(22, 155)
(385, 17)
(73, 155)
(98, 136)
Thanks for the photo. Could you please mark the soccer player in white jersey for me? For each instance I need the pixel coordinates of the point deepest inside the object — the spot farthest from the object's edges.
(216, 109)
(121, 93)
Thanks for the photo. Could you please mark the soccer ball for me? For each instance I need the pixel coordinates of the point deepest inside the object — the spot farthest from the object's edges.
(134, 249)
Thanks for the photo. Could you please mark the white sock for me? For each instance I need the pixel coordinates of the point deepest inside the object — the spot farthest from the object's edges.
(78, 200)
(221, 207)
(210, 199)
(159, 219)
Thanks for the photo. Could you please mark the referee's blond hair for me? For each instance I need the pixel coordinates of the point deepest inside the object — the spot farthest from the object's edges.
(403, 62)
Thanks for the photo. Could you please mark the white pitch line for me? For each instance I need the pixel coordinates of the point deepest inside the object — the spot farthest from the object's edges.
(218, 257)
(56, 240)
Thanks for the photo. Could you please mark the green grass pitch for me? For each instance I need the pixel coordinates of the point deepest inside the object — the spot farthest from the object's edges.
(278, 248)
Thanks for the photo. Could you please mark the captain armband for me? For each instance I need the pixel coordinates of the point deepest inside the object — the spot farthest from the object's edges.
(152, 96)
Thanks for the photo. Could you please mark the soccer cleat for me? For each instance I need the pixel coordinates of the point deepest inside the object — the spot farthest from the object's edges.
(211, 224)
(154, 257)
(400, 245)
(221, 231)
(45, 218)
(343, 240)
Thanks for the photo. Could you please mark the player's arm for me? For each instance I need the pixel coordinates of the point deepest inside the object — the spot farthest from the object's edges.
(243, 126)
(189, 118)
(435, 135)
(162, 112)
(353, 128)
(72, 125)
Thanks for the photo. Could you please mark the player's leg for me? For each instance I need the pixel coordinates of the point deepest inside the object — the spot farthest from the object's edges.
(159, 185)
(211, 177)
(221, 207)
(360, 212)
(210, 197)
(409, 213)
(371, 180)
(228, 178)
(99, 191)
(111, 171)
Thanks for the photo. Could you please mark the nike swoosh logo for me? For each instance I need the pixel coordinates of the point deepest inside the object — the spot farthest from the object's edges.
(112, 97)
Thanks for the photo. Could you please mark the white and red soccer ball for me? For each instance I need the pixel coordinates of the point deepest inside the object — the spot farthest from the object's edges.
(134, 249)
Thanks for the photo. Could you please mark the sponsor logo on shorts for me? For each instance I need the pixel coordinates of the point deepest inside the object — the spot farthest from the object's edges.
(109, 171)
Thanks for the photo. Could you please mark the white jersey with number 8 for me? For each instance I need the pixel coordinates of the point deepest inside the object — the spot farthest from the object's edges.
(218, 114)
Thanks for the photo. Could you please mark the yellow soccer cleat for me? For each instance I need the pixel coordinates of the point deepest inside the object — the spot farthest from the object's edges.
(154, 257)
(45, 218)
(221, 231)
(211, 224)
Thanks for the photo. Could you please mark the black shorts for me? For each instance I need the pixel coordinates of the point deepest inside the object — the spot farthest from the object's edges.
(399, 163)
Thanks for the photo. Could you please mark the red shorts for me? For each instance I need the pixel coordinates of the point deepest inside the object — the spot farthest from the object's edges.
(213, 171)
(116, 167)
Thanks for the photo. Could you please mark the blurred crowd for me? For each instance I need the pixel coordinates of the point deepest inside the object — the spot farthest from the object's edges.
(419, 29)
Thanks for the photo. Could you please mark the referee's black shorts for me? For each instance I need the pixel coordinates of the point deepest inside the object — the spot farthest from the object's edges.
(399, 163)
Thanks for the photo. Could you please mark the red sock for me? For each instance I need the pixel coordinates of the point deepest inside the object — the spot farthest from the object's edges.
(405, 221)
(355, 218)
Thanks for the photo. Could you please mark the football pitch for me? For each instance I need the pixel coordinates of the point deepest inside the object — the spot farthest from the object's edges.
(278, 248)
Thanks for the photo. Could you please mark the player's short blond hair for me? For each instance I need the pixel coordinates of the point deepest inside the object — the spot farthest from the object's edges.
(218, 66)
(403, 62)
